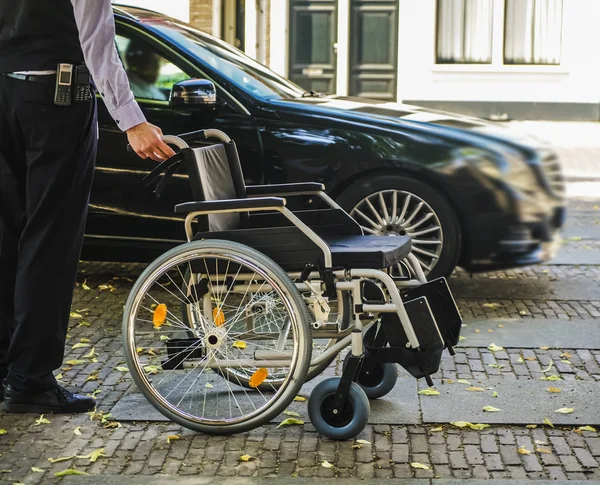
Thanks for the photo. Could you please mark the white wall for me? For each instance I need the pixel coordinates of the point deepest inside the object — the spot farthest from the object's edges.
(179, 9)
(577, 79)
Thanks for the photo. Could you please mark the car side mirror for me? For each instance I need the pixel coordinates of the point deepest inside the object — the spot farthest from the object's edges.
(194, 93)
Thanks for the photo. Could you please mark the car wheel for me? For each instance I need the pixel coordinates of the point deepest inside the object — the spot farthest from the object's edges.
(396, 205)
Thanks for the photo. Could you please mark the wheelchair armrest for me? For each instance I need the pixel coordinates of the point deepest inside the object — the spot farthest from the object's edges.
(231, 205)
(285, 189)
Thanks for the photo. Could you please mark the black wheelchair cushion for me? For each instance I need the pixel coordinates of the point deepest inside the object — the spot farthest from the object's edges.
(375, 252)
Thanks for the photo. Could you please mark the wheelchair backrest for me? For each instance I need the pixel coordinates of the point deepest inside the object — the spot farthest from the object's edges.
(215, 173)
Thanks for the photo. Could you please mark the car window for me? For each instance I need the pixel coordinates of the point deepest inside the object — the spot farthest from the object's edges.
(151, 76)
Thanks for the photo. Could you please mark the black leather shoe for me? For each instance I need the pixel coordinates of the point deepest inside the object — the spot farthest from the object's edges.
(57, 400)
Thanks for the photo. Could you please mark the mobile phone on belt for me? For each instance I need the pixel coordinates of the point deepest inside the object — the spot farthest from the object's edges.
(64, 79)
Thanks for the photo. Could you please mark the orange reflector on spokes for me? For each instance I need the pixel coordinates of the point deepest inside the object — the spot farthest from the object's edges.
(160, 315)
(218, 317)
(258, 377)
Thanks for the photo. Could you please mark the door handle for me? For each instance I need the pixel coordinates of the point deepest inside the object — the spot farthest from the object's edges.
(335, 48)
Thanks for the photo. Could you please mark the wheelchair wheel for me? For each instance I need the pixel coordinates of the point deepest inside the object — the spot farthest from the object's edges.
(338, 424)
(379, 380)
(215, 376)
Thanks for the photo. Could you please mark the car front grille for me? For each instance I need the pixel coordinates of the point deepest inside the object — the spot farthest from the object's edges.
(553, 174)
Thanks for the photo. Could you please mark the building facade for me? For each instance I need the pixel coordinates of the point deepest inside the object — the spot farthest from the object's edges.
(498, 59)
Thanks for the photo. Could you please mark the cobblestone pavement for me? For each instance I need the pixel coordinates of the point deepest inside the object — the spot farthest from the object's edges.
(145, 448)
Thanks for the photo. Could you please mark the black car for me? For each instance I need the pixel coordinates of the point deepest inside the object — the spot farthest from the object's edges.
(467, 191)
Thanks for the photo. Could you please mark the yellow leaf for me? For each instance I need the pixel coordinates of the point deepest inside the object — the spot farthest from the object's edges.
(565, 410)
(59, 377)
(500, 325)
(92, 377)
(420, 466)
(326, 464)
(462, 338)
(490, 409)
(495, 348)
(545, 347)
(290, 421)
(164, 338)
(41, 420)
(520, 360)
(299, 399)
(496, 366)
(435, 430)
(531, 426)
(356, 447)
(466, 424)
(83, 324)
(553, 389)
(584, 428)
(151, 369)
(93, 456)
(112, 424)
(291, 413)
(492, 305)
(548, 422)
(552, 377)
(218, 317)
(448, 381)
(523, 312)
(495, 394)
(566, 355)
(85, 286)
(238, 344)
(463, 381)
(475, 389)
(90, 354)
(246, 458)
(363, 442)
(85, 340)
(35, 469)
(61, 458)
(524, 451)
(3, 431)
(77, 431)
(69, 471)
(122, 369)
(477, 330)
(543, 450)
(565, 361)
(258, 377)
(159, 316)
(547, 369)
(75, 362)
(208, 385)
(75, 315)
(429, 392)
(172, 437)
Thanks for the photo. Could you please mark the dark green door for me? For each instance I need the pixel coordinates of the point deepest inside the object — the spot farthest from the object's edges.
(373, 48)
(313, 33)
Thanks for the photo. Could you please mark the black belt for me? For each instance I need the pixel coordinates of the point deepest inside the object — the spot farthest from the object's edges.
(34, 78)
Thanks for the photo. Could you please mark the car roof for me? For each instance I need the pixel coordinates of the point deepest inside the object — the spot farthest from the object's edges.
(138, 13)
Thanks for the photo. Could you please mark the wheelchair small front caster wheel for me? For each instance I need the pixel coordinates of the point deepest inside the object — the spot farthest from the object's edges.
(376, 378)
(338, 424)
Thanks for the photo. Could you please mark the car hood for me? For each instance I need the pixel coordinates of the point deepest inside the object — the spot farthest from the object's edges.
(379, 112)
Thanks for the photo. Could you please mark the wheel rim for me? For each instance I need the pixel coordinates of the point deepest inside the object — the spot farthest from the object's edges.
(342, 417)
(184, 392)
(402, 213)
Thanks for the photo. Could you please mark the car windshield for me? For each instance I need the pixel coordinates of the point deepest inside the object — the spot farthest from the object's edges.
(231, 63)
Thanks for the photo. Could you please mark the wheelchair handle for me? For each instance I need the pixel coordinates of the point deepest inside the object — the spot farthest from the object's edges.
(180, 140)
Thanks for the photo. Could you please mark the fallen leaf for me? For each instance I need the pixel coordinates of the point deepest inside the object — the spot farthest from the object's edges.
(356, 447)
(60, 459)
(464, 381)
(466, 424)
(59, 377)
(421, 466)
(547, 369)
(566, 355)
(75, 315)
(492, 305)
(80, 345)
(475, 389)
(523, 313)
(246, 458)
(164, 338)
(490, 330)
(290, 421)
(545, 347)
(564, 410)
(299, 399)
(496, 366)
(553, 389)
(75, 362)
(92, 377)
(77, 431)
(84, 340)
(69, 471)
(530, 358)
(41, 420)
(112, 424)
(122, 369)
(35, 469)
(3, 431)
(93, 456)
(95, 393)
(90, 354)
(552, 377)
(435, 430)
(291, 413)
(543, 450)
(208, 385)
(490, 409)
(152, 369)
(524, 451)
(565, 361)
(85, 286)
(548, 422)
(448, 381)
(495, 348)
(520, 360)
(363, 442)
(462, 338)
(238, 344)
(584, 428)
(540, 442)
(172, 437)
(83, 324)
(495, 394)
(429, 392)
(531, 426)
(326, 464)
(575, 238)
(500, 325)
(107, 287)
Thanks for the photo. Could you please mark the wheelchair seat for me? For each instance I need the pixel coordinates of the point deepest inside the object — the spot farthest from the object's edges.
(372, 252)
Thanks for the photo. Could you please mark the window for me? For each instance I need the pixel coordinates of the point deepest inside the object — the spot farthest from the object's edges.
(151, 76)
(533, 31)
(464, 31)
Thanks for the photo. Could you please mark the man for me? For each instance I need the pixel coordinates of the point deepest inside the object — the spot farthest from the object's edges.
(143, 68)
(47, 156)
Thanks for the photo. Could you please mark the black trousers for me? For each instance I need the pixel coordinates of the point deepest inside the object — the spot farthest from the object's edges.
(47, 158)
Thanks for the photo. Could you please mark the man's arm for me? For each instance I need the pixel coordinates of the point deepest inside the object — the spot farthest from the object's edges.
(96, 26)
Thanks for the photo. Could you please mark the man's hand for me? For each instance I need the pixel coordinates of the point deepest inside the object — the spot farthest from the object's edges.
(146, 141)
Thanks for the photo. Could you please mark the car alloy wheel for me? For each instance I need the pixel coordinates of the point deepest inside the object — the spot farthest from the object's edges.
(402, 213)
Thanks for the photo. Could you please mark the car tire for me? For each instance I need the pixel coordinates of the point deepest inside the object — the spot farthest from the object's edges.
(354, 200)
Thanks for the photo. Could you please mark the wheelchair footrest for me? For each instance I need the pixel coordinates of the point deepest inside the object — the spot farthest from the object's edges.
(181, 349)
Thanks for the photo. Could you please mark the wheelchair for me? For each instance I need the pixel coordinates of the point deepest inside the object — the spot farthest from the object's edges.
(220, 333)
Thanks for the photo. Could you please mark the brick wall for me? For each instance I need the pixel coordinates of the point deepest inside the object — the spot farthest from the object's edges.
(201, 14)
